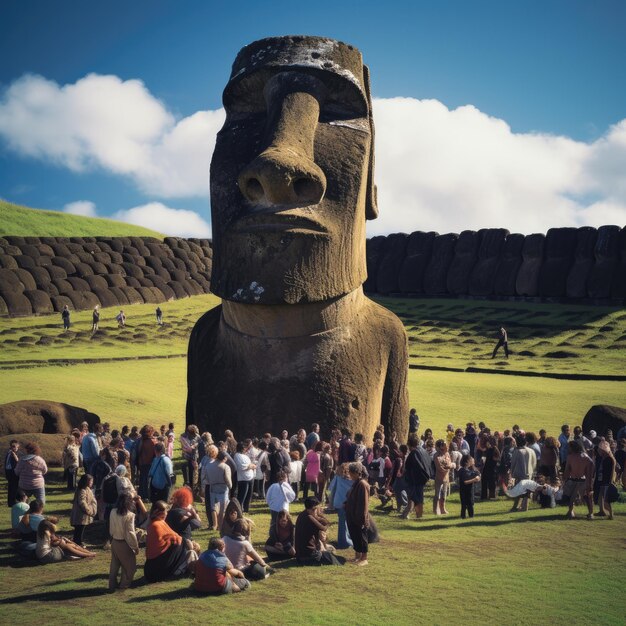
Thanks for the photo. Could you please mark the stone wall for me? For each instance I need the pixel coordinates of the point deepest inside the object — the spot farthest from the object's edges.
(567, 264)
(41, 274)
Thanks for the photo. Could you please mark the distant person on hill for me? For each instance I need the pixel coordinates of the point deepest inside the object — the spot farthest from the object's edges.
(159, 316)
(65, 316)
(121, 319)
(503, 340)
(95, 318)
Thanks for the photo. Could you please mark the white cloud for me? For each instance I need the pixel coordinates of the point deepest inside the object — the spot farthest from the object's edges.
(436, 168)
(81, 207)
(157, 216)
(103, 121)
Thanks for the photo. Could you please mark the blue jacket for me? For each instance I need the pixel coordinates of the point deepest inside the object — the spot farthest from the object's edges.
(90, 448)
(160, 472)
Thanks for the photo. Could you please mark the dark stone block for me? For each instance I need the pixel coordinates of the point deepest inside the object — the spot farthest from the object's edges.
(58, 302)
(439, 264)
(26, 278)
(147, 295)
(9, 281)
(43, 261)
(527, 282)
(78, 284)
(618, 288)
(30, 250)
(465, 254)
(107, 297)
(17, 303)
(45, 250)
(82, 300)
(102, 257)
(390, 263)
(115, 257)
(116, 245)
(25, 262)
(559, 253)
(145, 282)
(41, 277)
(56, 272)
(132, 270)
(115, 268)
(177, 288)
(178, 275)
(134, 297)
(483, 276)
(165, 289)
(7, 262)
(602, 417)
(97, 282)
(40, 301)
(418, 251)
(119, 295)
(159, 296)
(62, 285)
(115, 280)
(15, 240)
(64, 264)
(4, 309)
(99, 268)
(83, 270)
(133, 282)
(606, 253)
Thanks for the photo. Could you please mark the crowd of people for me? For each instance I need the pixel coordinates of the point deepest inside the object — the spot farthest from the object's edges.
(124, 472)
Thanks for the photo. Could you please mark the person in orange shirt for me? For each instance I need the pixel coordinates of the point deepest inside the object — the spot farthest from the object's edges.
(168, 555)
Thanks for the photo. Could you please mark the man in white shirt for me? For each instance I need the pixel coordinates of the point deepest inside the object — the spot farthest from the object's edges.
(279, 495)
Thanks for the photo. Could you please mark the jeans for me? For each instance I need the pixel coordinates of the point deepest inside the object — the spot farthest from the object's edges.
(343, 536)
(244, 494)
(39, 493)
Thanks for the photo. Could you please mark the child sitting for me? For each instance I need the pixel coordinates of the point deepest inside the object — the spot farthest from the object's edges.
(215, 574)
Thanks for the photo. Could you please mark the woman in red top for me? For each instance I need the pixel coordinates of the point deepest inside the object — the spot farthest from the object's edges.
(168, 555)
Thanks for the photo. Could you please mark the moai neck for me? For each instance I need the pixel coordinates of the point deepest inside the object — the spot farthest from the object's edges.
(292, 320)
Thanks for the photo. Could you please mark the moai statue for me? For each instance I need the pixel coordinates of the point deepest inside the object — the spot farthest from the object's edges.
(295, 340)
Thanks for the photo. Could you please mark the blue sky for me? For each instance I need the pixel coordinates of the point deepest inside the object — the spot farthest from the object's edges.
(488, 113)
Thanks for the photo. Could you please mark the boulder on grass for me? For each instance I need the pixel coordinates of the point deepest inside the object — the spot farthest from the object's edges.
(602, 417)
(50, 445)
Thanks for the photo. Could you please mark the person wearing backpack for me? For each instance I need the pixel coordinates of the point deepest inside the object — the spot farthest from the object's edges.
(161, 475)
(417, 472)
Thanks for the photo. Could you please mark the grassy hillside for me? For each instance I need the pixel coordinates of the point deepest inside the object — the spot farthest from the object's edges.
(22, 221)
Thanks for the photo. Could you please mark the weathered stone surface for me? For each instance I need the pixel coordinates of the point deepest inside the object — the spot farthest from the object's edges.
(106, 296)
(295, 339)
(9, 281)
(606, 253)
(618, 288)
(559, 253)
(26, 278)
(134, 297)
(42, 416)
(391, 262)
(17, 303)
(527, 281)
(602, 417)
(97, 282)
(418, 251)
(58, 302)
(435, 278)
(51, 446)
(465, 255)
(4, 309)
(41, 277)
(40, 302)
(78, 284)
(483, 276)
(7, 262)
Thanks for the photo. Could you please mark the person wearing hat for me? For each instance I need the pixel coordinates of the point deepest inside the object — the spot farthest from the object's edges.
(311, 527)
(605, 472)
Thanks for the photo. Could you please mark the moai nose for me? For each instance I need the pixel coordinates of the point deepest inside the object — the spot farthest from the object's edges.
(285, 173)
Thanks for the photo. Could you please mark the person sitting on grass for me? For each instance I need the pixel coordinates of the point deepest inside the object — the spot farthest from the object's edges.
(168, 555)
(233, 513)
(215, 574)
(467, 477)
(280, 543)
(183, 517)
(242, 555)
(28, 525)
(51, 548)
(18, 510)
(310, 536)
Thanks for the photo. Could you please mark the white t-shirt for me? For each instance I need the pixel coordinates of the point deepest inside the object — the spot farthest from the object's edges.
(242, 461)
(236, 551)
(295, 472)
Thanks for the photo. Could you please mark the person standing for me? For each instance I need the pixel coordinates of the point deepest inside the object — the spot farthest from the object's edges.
(30, 470)
(217, 480)
(71, 457)
(356, 510)
(189, 442)
(65, 316)
(414, 421)
(443, 465)
(279, 495)
(468, 475)
(145, 456)
(90, 448)
(159, 316)
(578, 478)
(121, 319)
(124, 544)
(605, 473)
(245, 474)
(417, 470)
(84, 508)
(523, 465)
(95, 318)
(564, 449)
(503, 341)
(10, 463)
(313, 437)
(161, 472)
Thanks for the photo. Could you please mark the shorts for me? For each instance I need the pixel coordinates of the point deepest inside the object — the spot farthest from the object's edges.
(574, 489)
(55, 555)
(416, 493)
(218, 501)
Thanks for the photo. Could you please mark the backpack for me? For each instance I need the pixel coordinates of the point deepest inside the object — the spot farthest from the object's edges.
(109, 489)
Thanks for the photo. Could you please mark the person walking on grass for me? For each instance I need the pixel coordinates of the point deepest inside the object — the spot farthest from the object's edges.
(65, 316)
(503, 341)
(159, 316)
(121, 319)
(95, 318)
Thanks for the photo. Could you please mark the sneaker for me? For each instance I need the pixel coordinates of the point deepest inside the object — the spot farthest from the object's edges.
(590, 516)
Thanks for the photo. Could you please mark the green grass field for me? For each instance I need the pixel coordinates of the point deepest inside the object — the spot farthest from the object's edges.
(513, 568)
(26, 222)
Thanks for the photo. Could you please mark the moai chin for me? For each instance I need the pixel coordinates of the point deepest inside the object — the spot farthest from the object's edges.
(295, 340)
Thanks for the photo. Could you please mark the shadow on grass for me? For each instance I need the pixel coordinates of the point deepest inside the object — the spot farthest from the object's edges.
(480, 522)
(90, 578)
(56, 596)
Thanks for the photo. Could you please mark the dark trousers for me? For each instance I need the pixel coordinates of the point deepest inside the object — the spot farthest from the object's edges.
(467, 502)
(188, 473)
(259, 487)
(244, 494)
(358, 534)
(79, 530)
(12, 486)
(159, 494)
(501, 342)
(488, 485)
(144, 471)
(71, 478)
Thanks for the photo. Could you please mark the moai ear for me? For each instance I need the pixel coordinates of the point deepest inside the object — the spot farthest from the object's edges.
(371, 199)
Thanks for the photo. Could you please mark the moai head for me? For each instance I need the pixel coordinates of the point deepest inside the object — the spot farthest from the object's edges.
(292, 173)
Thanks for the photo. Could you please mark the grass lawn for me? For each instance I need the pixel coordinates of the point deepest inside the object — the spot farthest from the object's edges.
(504, 567)
(26, 222)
